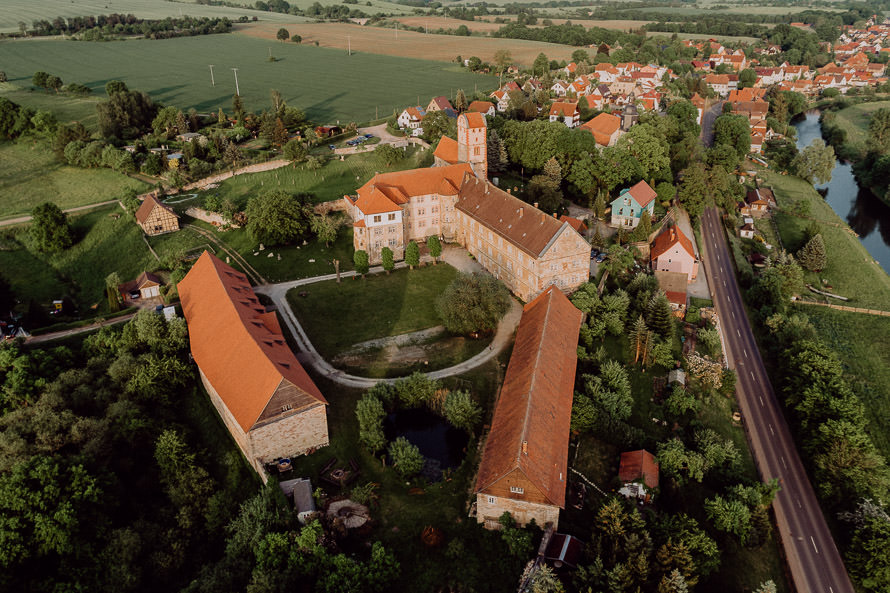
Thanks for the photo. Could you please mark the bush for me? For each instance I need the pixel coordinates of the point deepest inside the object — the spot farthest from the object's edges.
(473, 302)
(461, 410)
(405, 457)
(369, 411)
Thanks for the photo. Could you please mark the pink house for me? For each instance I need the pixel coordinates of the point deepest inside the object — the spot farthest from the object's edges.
(672, 251)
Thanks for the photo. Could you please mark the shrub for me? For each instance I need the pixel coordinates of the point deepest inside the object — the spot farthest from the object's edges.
(461, 410)
(405, 457)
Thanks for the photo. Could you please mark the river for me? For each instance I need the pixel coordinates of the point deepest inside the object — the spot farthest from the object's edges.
(864, 212)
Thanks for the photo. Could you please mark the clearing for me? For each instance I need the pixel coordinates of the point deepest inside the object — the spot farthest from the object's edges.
(443, 48)
(31, 175)
(327, 84)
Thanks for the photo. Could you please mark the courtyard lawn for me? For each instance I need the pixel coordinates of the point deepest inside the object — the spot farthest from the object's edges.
(65, 107)
(31, 175)
(329, 85)
(332, 181)
(857, 339)
(336, 316)
(850, 270)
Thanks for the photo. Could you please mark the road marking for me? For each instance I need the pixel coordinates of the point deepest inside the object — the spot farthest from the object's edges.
(771, 431)
(752, 376)
(733, 314)
(761, 401)
(814, 544)
(745, 350)
(830, 590)
(718, 255)
(800, 506)
(784, 464)
(724, 283)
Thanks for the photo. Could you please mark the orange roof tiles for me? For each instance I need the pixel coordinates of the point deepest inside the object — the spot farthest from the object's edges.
(667, 239)
(530, 426)
(386, 192)
(148, 205)
(564, 109)
(238, 346)
(480, 106)
(642, 193)
(602, 127)
(639, 465)
(447, 149)
(474, 120)
(576, 224)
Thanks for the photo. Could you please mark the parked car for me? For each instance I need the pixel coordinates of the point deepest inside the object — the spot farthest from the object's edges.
(135, 294)
(332, 147)
(594, 253)
(600, 258)
(369, 136)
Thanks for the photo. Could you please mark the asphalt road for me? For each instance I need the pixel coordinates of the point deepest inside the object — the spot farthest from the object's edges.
(707, 122)
(813, 558)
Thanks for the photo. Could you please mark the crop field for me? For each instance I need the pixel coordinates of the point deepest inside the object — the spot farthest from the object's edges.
(444, 48)
(487, 26)
(326, 83)
(30, 175)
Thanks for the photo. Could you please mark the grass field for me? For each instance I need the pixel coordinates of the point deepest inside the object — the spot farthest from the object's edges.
(854, 337)
(488, 25)
(106, 240)
(30, 175)
(444, 48)
(855, 120)
(377, 306)
(850, 269)
(65, 107)
(326, 83)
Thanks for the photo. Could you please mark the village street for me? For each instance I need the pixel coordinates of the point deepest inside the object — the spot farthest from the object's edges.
(453, 256)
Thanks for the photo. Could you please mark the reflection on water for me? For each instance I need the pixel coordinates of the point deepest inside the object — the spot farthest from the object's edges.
(864, 212)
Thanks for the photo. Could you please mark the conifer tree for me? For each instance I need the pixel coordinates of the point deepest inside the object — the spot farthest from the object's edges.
(812, 256)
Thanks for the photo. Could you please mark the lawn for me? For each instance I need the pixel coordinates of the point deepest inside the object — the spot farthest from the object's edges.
(107, 240)
(331, 182)
(850, 270)
(31, 175)
(65, 107)
(327, 84)
(374, 307)
(855, 120)
(854, 337)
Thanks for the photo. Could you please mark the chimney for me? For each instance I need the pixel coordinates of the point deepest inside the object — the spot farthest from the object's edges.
(525, 447)
(554, 215)
(520, 211)
(536, 204)
(510, 190)
(543, 217)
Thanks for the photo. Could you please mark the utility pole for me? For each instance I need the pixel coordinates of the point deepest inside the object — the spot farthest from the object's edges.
(237, 90)
(348, 45)
(213, 82)
(397, 29)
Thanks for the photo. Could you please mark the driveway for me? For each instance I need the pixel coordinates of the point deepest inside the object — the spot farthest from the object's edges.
(698, 288)
(309, 355)
(21, 219)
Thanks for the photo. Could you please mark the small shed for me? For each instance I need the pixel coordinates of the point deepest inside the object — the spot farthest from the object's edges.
(300, 492)
(148, 285)
(677, 376)
(747, 231)
(564, 550)
(638, 472)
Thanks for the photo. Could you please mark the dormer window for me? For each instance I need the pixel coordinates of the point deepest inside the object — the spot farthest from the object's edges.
(516, 490)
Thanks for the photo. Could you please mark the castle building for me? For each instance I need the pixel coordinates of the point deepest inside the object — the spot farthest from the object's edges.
(527, 249)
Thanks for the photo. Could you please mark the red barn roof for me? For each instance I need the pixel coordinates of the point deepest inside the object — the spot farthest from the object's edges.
(639, 465)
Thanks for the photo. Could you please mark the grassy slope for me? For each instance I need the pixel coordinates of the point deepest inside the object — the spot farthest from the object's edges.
(65, 107)
(375, 307)
(30, 175)
(855, 120)
(326, 83)
(850, 269)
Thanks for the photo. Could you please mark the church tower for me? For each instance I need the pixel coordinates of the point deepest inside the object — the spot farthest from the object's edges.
(472, 142)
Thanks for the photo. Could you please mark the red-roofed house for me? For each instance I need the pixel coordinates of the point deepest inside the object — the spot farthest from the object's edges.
(439, 104)
(411, 119)
(605, 127)
(672, 251)
(576, 224)
(524, 464)
(267, 401)
(628, 207)
(156, 218)
(638, 471)
(565, 112)
(483, 107)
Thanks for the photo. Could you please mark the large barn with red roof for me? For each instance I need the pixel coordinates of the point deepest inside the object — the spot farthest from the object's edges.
(267, 401)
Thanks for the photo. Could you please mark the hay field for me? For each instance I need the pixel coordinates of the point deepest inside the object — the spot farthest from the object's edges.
(326, 83)
(443, 48)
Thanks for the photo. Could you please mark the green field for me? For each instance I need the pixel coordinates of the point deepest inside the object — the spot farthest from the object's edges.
(855, 121)
(30, 175)
(329, 85)
(850, 269)
(65, 107)
(374, 307)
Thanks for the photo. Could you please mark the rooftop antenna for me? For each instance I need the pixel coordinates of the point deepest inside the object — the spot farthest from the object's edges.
(237, 90)
(212, 81)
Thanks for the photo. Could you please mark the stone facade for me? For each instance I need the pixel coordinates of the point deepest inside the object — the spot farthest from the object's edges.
(489, 509)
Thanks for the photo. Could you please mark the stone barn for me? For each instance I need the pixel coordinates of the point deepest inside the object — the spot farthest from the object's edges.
(267, 401)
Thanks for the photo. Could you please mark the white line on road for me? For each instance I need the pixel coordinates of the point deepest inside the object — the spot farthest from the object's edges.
(752, 376)
(745, 350)
(814, 544)
(771, 431)
(800, 506)
(724, 283)
(830, 590)
(738, 334)
(761, 401)
(784, 464)
(733, 314)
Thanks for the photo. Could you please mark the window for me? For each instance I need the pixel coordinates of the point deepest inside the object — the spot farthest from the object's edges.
(517, 490)
(491, 500)
(476, 151)
(434, 209)
(286, 407)
(377, 218)
(392, 242)
(391, 217)
(421, 211)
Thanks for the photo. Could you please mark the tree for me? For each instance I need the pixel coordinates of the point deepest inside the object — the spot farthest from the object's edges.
(812, 255)
(277, 217)
(126, 114)
(673, 582)
(729, 515)
(545, 581)
(437, 124)
(747, 78)
(461, 410)
(412, 254)
(460, 101)
(405, 457)
(49, 228)
(693, 190)
(238, 109)
(435, 247)
(360, 259)
(878, 129)
(370, 413)
(733, 130)
(39, 79)
(325, 228)
(295, 151)
(815, 162)
(283, 34)
(472, 302)
(580, 55)
(53, 83)
(541, 65)
(389, 154)
(388, 262)
(296, 38)
(502, 59)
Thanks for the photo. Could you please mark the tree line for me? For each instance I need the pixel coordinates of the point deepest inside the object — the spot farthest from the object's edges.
(96, 28)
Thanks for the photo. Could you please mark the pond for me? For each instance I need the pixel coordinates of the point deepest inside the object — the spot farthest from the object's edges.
(864, 212)
(443, 445)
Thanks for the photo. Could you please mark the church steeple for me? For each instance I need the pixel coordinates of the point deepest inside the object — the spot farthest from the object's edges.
(472, 142)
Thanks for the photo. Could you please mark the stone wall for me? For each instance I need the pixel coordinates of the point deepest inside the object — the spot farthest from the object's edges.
(522, 511)
(292, 435)
(231, 424)
(258, 167)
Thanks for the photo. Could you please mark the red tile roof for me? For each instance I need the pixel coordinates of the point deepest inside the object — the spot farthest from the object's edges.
(666, 239)
(480, 106)
(576, 224)
(530, 427)
(238, 346)
(474, 120)
(602, 127)
(148, 205)
(447, 149)
(564, 109)
(386, 192)
(642, 193)
(639, 465)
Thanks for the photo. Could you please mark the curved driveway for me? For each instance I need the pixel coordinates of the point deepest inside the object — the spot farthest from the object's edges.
(309, 355)
(815, 563)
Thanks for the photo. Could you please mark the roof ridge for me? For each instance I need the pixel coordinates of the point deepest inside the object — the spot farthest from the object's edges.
(531, 384)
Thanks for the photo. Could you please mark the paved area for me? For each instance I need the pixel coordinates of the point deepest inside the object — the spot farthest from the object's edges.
(814, 561)
(698, 288)
(707, 122)
(21, 219)
(309, 355)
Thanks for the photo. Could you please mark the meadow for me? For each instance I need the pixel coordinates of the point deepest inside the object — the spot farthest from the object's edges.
(65, 107)
(31, 175)
(444, 48)
(855, 120)
(327, 84)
